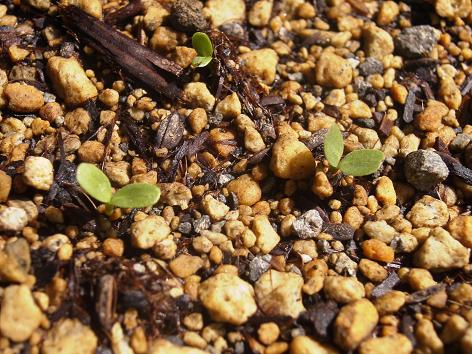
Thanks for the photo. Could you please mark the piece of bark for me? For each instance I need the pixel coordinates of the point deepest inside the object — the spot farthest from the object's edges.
(140, 62)
(134, 7)
(456, 168)
(409, 106)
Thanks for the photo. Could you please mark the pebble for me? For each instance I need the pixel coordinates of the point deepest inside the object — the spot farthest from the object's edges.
(77, 121)
(70, 81)
(260, 13)
(23, 98)
(175, 194)
(431, 118)
(428, 212)
(198, 95)
(261, 63)
(308, 225)
(424, 169)
(291, 159)
(229, 107)
(118, 172)
(307, 345)
(416, 42)
(461, 229)
(39, 172)
(15, 261)
(280, 293)
(441, 252)
(91, 151)
(333, 71)
(390, 303)
(453, 8)
(371, 66)
(147, 232)
(268, 333)
(13, 219)
(223, 11)
(395, 343)
(343, 289)
(372, 270)
(162, 346)
(378, 43)
(246, 189)
(380, 230)
(266, 237)
(69, 336)
(354, 323)
(228, 298)
(378, 251)
(19, 314)
(385, 191)
(5, 186)
(214, 208)
(185, 265)
(186, 16)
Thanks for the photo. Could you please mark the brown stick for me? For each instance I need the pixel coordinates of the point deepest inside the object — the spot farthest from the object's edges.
(135, 7)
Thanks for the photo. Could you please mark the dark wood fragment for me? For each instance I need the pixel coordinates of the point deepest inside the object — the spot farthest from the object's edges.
(257, 157)
(340, 232)
(332, 111)
(315, 139)
(386, 126)
(466, 85)
(170, 132)
(320, 317)
(140, 62)
(272, 100)
(385, 286)
(106, 301)
(456, 168)
(407, 326)
(134, 7)
(422, 295)
(413, 64)
(409, 106)
(137, 136)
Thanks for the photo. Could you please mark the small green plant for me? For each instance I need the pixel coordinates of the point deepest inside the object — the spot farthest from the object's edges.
(356, 163)
(202, 44)
(97, 185)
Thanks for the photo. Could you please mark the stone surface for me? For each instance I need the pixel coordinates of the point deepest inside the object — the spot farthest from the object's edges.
(15, 261)
(39, 172)
(186, 16)
(279, 293)
(147, 232)
(377, 42)
(307, 345)
(266, 237)
(19, 314)
(371, 66)
(416, 41)
(246, 189)
(223, 11)
(23, 98)
(343, 289)
(13, 219)
(162, 346)
(424, 169)
(291, 159)
(453, 8)
(354, 323)
(428, 212)
(261, 63)
(5, 186)
(333, 71)
(308, 225)
(185, 265)
(395, 343)
(228, 298)
(175, 194)
(441, 252)
(69, 336)
(198, 95)
(461, 229)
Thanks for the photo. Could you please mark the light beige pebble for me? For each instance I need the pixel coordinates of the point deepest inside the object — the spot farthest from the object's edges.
(321, 185)
(357, 109)
(154, 16)
(5, 186)
(441, 252)
(15, 261)
(450, 93)
(198, 95)
(77, 121)
(343, 289)
(118, 172)
(253, 141)
(389, 10)
(394, 343)
(19, 314)
(229, 107)
(268, 333)
(428, 339)
(214, 208)
(466, 341)
(430, 119)
(185, 265)
(453, 8)
(109, 97)
(380, 230)
(390, 303)
(92, 7)
(41, 5)
(378, 251)
(23, 98)
(198, 120)
(354, 323)
(175, 194)
(246, 189)
(260, 13)
(147, 232)
(385, 192)
(70, 81)
(13, 219)
(333, 71)
(420, 279)
(291, 159)
(224, 11)
(39, 172)
(454, 329)
(460, 228)
(279, 293)
(378, 43)
(261, 63)
(307, 345)
(228, 298)
(372, 270)
(91, 151)
(266, 237)
(69, 336)
(428, 212)
(162, 346)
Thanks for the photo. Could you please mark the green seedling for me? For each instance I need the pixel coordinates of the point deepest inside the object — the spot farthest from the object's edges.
(97, 185)
(202, 44)
(356, 163)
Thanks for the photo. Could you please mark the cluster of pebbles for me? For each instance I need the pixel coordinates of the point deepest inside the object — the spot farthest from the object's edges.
(256, 245)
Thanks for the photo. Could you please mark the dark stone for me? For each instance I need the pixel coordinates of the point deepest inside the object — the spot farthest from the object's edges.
(424, 169)
(416, 42)
(371, 66)
(186, 16)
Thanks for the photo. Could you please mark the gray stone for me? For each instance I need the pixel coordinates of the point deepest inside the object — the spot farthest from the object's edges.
(460, 142)
(13, 219)
(416, 41)
(258, 266)
(201, 224)
(308, 225)
(424, 169)
(371, 66)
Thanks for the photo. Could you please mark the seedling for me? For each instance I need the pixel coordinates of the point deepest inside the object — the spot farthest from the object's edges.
(202, 44)
(356, 163)
(97, 185)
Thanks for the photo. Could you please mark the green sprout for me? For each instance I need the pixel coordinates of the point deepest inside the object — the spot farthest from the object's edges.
(97, 185)
(202, 44)
(356, 163)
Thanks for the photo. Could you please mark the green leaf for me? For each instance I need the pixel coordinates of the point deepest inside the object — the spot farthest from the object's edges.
(202, 44)
(94, 182)
(361, 162)
(136, 195)
(333, 145)
(200, 62)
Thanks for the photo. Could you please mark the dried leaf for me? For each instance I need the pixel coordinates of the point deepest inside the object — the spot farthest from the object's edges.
(385, 286)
